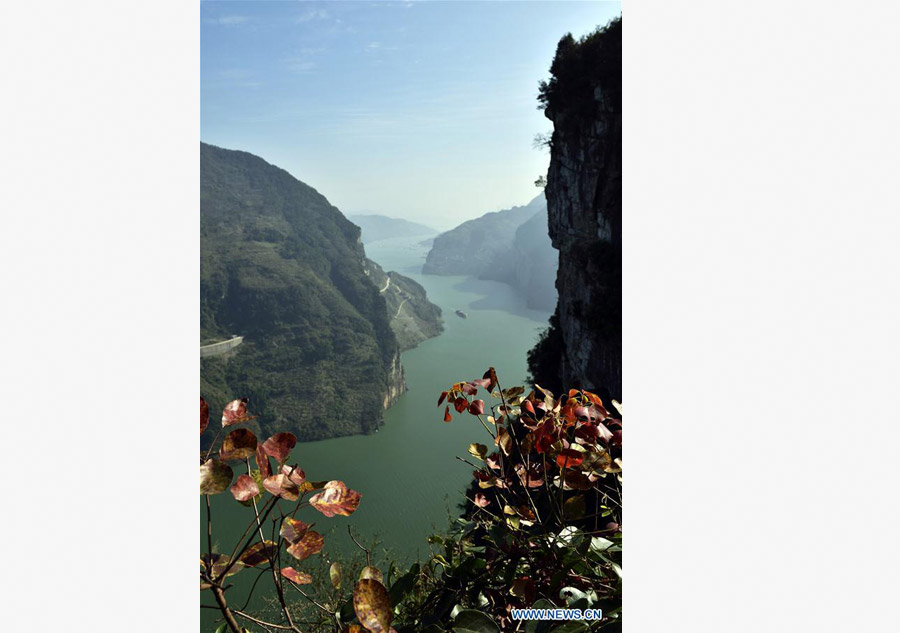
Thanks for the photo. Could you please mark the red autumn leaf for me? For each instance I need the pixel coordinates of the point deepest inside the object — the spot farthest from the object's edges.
(532, 478)
(279, 446)
(293, 530)
(262, 462)
(493, 461)
(295, 475)
(259, 553)
(244, 488)
(481, 501)
(204, 414)
(239, 444)
(569, 458)
(296, 577)
(335, 499)
(235, 412)
(484, 383)
(469, 389)
(443, 395)
(593, 398)
(477, 407)
(616, 439)
(447, 416)
(544, 436)
(460, 404)
(309, 544)
(528, 407)
(491, 375)
(281, 486)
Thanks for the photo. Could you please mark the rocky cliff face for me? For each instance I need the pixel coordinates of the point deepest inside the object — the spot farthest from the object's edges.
(584, 203)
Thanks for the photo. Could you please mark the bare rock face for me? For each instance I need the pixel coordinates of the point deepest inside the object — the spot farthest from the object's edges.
(584, 206)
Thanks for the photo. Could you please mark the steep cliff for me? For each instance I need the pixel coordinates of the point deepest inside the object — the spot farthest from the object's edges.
(283, 268)
(583, 99)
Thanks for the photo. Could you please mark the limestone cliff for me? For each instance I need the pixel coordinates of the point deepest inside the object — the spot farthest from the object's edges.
(583, 99)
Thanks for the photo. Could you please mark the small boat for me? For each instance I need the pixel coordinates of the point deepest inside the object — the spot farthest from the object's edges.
(462, 314)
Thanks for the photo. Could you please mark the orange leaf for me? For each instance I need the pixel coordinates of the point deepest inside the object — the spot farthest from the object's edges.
(335, 499)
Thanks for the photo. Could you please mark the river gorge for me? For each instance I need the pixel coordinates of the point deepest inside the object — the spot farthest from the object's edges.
(407, 472)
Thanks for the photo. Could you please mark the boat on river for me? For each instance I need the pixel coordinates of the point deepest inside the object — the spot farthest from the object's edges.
(462, 314)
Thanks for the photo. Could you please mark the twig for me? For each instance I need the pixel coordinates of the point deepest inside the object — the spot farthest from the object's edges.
(350, 532)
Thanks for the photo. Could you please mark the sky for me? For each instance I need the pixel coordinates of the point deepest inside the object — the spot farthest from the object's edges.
(421, 110)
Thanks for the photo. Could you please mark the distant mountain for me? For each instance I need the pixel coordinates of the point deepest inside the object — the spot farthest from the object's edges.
(473, 245)
(512, 246)
(283, 268)
(380, 227)
(530, 263)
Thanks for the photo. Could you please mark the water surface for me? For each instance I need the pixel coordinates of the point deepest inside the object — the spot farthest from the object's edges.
(407, 472)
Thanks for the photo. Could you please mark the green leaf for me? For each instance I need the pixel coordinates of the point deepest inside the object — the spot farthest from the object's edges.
(537, 626)
(403, 585)
(221, 627)
(472, 621)
(346, 614)
(215, 477)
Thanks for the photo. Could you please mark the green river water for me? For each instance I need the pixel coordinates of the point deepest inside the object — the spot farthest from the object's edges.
(407, 472)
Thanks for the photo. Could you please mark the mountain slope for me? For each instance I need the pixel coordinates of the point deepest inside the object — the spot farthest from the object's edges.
(471, 248)
(283, 268)
(380, 227)
(511, 246)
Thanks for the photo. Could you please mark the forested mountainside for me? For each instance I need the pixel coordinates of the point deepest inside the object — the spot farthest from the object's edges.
(380, 227)
(413, 317)
(511, 246)
(583, 99)
(286, 270)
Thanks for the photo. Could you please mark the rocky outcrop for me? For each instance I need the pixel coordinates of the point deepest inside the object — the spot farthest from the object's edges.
(584, 202)
(413, 317)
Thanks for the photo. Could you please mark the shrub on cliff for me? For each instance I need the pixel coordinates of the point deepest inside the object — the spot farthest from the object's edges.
(581, 65)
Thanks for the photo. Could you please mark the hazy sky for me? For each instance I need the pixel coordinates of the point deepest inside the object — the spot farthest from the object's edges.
(419, 110)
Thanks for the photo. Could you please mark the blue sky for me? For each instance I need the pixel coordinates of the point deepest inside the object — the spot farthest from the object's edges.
(420, 110)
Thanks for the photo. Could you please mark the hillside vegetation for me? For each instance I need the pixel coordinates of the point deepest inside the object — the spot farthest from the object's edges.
(283, 268)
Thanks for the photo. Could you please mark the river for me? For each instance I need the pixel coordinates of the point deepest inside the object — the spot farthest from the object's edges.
(407, 473)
